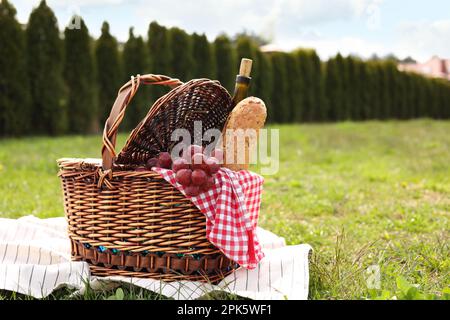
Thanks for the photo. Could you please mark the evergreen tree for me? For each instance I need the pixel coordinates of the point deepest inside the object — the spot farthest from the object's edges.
(373, 90)
(422, 103)
(334, 88)
(446, 105)
(440, 98)
(424, 96)
(312, 92)
(354, 94)
(225, 62)
(410, 111)
(280, 112)
(444, 100)
(391, 108)
(318, 103)
(401, 95)
(78, 71)
(385, 90)
(15, 113)
(159, 48)
(160, 57)
(295, 89)
(381, 93)
(183, 61)
(304, 85)
(344, 112)
(45, 66)
(135, 61)
(109, 72)
(401, 79)
(364, 82)
(246, 48)
(434, 99)
(204, 58)
(415, 87)
(263, 83)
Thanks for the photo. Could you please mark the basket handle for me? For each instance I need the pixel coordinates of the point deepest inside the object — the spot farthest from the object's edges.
(124, 97)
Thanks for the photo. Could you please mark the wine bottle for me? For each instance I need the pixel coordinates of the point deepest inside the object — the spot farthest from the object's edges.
(242, 81)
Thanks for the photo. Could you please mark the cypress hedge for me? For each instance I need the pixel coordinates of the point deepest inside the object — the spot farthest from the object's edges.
(305, 85)
(159, 49)
(182, 60)
(295, 88)
(225, 61)
(280, 111)
(62, 74)
(318, 97)
(246, 48)
(15, 107)
(334, 86)
(109, 72)
(45, 71)
(135, 61)
(203, 57)
(160, 56)
(79, 74)
(263, 83)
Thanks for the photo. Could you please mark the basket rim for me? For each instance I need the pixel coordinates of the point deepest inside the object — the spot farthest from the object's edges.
(95, 164)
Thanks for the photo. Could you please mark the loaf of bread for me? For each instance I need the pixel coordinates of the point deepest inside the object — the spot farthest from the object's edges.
(239, 145)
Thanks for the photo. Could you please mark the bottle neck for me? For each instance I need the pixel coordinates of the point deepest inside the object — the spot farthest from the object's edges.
(241, 89)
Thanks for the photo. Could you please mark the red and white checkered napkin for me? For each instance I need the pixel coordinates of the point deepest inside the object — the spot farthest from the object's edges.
(231, 209)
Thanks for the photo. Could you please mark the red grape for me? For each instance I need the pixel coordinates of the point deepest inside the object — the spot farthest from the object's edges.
(208, 184)
(183, 177)
(179, 164)
(152, 162)
(192, 190)
(141, 169)
(203, 167)
(165, 160)
(213, 165)
(199, 177)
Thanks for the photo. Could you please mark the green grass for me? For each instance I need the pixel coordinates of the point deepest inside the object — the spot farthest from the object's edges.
(362, 194)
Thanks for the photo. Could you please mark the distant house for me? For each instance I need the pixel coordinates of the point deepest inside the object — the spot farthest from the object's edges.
(434, 68)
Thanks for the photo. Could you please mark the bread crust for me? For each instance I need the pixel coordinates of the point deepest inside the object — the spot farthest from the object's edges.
(250, 113)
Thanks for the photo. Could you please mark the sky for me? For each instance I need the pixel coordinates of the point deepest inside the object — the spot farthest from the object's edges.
(415, 28)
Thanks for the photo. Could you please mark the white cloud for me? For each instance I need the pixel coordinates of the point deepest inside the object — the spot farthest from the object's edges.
(421, 38)
(268, 17)
(69, 3)
(65, 7)
(327, 47)
(320, 11)
(290, 23)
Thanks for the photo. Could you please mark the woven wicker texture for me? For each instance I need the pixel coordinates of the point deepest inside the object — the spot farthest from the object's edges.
(197, 100)
(134, 223)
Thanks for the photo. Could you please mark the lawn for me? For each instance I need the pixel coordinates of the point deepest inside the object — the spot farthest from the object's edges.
(362, 194)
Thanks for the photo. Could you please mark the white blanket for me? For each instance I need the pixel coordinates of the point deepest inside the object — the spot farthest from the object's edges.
(35, 260)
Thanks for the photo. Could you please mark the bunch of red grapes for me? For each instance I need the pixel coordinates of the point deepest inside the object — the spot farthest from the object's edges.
(194, 169)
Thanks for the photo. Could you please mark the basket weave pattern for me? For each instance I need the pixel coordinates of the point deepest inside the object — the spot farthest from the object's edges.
(134, 223)
(197, 100)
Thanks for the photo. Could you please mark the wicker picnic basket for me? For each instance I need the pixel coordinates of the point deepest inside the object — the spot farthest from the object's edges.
(130, 222)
